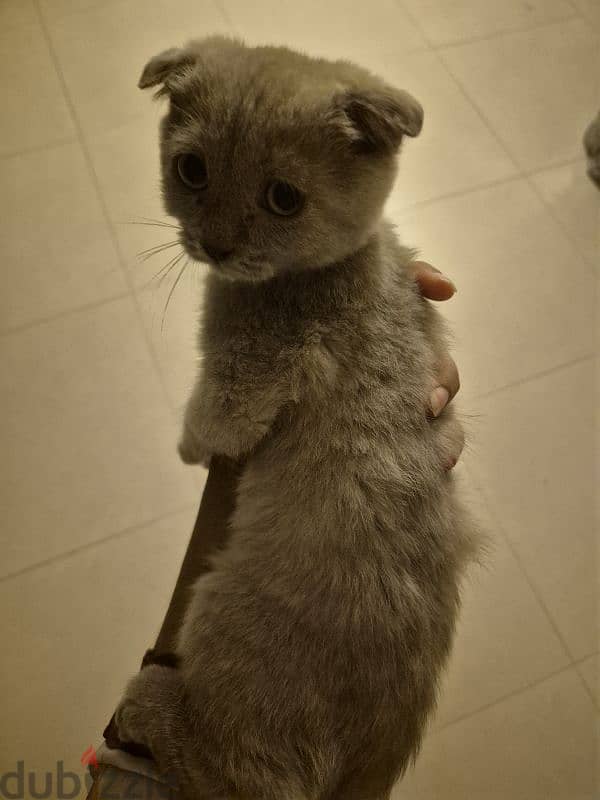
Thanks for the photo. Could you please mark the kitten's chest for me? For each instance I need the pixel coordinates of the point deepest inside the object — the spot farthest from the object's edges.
(253, 332)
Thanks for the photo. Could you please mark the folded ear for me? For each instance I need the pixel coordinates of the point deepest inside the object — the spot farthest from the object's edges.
(378, 118)
(165, 65)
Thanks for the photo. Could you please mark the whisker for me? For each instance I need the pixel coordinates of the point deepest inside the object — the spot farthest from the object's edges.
(144, 255)
(160, 223)
(168, 266)
(177, 279)
(152, 222)
(171, 265)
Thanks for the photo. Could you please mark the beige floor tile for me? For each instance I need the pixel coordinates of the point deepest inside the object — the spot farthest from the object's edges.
(34, 111)
(57, 249)
(597, 340)
(437, 162)
(590, 9)
(590, 672)
(533, 456)
(17, 13)
(595, 434)
(538, 745)
(540, 106)
(174, 332)
(54, 9)
(575, 202)
(103, 50)
(78, 629)
(525, 297)
(338, 29)
(89, 440)
(504, 639)
(126, 161)
(444, 23)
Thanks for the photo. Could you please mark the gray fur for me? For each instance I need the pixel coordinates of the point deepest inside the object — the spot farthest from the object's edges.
(312, 652)
(591, 144)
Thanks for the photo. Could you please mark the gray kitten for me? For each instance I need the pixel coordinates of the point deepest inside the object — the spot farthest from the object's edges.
(310, 655)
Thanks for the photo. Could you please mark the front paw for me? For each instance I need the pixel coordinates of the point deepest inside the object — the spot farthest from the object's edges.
(192, 451)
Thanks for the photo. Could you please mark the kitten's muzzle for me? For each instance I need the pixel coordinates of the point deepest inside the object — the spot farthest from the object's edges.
(216, 251)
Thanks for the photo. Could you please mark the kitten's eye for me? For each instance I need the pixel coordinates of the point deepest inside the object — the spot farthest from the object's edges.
(283, 198)
(192, 170)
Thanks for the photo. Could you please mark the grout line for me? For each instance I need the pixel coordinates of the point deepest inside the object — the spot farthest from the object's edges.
(535, 376)
(75, 551)
(518, 173)
(104, 207)
(68, 312)
(415, 21)
(579, 661)
(36, 148)
(573, 240)
(115, 127)
(488, 125)
(492, 129)
(486, 37)
(458, 193)
(595, 702)
(525, 571)
(565, 162)
(575, 14)
(508, 696)
(75, 11)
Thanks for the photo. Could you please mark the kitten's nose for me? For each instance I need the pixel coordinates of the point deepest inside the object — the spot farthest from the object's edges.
(215, 251)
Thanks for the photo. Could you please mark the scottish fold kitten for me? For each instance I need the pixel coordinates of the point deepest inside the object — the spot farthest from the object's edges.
(310, 655)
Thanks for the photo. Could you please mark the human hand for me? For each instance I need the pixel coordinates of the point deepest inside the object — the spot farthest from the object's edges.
(436, 286)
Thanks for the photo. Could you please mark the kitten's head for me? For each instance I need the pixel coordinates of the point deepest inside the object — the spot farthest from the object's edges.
(271, 160)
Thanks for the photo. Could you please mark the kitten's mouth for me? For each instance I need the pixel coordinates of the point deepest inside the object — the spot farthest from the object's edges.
(232, 269)
(247, 273)
(196, 251)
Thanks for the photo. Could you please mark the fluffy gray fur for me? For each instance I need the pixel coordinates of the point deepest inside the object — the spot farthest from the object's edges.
(312, 652)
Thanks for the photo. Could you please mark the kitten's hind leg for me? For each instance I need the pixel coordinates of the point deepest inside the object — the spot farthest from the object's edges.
(152, 712)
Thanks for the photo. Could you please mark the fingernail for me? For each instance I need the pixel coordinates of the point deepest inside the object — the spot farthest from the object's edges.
(438, 400)
(449, 282)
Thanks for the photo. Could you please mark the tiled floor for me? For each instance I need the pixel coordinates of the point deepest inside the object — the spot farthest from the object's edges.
(97, 509)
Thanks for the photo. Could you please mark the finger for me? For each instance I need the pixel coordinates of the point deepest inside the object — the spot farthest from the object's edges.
(448, 386)
(453, 458)
(438, 400)
(447, 375)
(432, 283)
